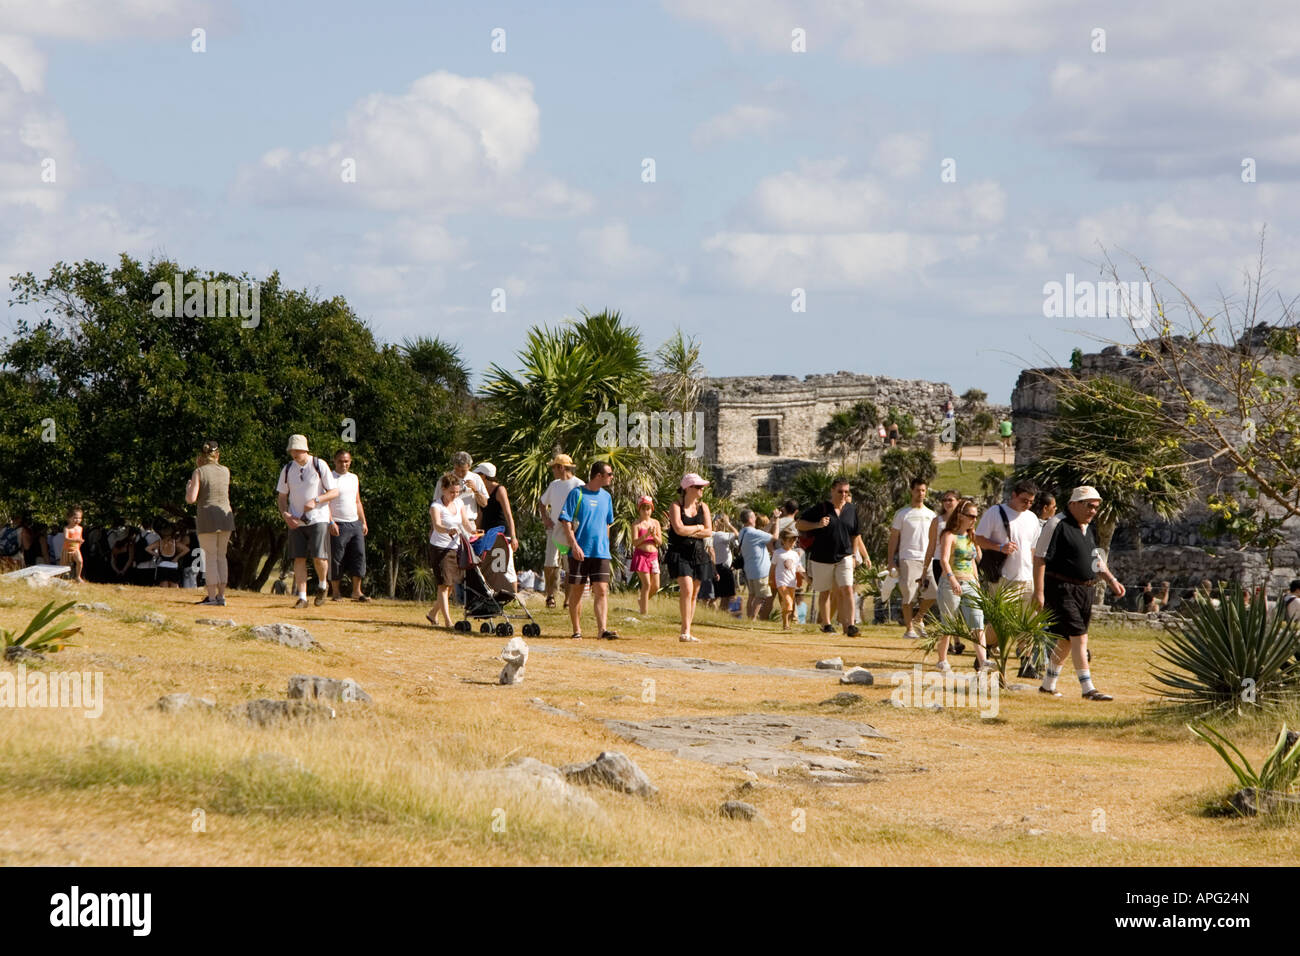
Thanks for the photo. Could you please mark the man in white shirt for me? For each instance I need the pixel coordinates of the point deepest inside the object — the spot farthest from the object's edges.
(304, 491)
(552, 503)
(348, 529)
(1012, 529)
(909, 537)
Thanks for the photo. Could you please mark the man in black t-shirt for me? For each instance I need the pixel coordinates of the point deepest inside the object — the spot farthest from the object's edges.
(833, 555)
(1067, 563)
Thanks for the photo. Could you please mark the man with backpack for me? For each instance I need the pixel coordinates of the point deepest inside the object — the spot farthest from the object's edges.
(305, 489)
(1007, 535)
(1291, 603)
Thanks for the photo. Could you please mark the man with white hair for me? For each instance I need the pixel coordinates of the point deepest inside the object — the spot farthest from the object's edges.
(304, 491)
(1067, 563)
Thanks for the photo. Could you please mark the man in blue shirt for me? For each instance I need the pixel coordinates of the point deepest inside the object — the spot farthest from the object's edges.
(584, 521)
(756, 552)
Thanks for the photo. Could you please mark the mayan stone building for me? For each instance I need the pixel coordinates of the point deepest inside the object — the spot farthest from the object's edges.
(761, 430)
(1150, 549)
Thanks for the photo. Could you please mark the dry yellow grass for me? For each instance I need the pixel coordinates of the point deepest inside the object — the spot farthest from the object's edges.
(388, 784)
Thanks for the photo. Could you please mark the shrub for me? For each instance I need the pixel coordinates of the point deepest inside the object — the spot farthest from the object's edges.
(40, 634)
(1221, 658)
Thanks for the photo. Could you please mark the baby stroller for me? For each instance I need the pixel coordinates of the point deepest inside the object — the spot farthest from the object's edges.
(491, 590)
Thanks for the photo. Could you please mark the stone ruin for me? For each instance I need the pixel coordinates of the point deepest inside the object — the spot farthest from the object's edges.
(761, 430)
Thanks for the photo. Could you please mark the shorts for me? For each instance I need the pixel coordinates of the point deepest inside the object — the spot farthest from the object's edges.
(310, 541)
(446, 566)
(828, 577)
(588, 570)
(758, 588)
(910, 585)
(1026, 589)
(553, 556)
(1070, 604)
(706, 590)
(929, 586)
(348, 552)
(171, 575)
(725, 586)
(647, 561)
(680, 566)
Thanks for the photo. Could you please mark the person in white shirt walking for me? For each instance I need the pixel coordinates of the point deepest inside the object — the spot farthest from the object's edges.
(348, 529)
(1011, 530)
(909, 539)
(304, 491)
(552, 503)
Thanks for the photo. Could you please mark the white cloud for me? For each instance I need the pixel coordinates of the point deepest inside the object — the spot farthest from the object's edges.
(448, 144)
(844, 260)
(611, 248)
(107, 19)
(902, 154)
(742, 120)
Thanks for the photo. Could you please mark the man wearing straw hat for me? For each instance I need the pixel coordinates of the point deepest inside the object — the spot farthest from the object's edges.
(552, 503)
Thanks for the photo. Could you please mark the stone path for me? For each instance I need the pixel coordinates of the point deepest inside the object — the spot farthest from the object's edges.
(763, 743)
(689, 663)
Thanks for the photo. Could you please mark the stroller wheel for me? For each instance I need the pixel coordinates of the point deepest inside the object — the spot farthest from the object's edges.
(530, 630)
(503, 629)
(485, 628)
(462, 626)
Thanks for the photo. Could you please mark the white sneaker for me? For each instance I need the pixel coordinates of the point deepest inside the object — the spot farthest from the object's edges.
(910, 634)
(920, 630)
(944, 667)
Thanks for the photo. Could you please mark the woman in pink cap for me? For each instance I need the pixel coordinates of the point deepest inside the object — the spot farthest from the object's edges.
(647, 536)
(690, 536)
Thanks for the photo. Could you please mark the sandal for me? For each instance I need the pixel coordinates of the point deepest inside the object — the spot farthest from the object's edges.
(688, 639)
(550, 601)
(608, 636)
(1052, 693)
(1097, 695)
(431, 619)
(577, 635)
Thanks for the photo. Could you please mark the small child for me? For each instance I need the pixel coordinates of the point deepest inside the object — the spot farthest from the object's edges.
(72, 538)
(787, 574)
(647, 536)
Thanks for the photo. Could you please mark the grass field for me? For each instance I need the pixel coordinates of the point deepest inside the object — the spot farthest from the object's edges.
(389, 783)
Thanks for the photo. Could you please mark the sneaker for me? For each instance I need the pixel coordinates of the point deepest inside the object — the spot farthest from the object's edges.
(207, 600)
(689, 639)
(362, 599)
(910, 634)
(336, 597)
(301, 602)
(956, 647)
(944, 667)
(828, 628)
(1027, 669)
(1095, 694)
(320, 597)
(219, 602)
(1050, 693)
(920, 630)
(851, 631)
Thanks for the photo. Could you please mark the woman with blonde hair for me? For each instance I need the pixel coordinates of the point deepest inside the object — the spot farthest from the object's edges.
(209, 489)
(690, 539)
(959, 555)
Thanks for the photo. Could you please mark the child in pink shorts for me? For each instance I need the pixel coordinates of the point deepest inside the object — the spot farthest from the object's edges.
(647, 536)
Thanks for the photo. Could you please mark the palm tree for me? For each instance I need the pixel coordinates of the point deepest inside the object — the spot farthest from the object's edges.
(679, 373)
(837, 436)
(570, 375)
(991, 485)
(865, 417)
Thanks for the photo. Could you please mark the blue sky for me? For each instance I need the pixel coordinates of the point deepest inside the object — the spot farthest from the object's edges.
(775, 169)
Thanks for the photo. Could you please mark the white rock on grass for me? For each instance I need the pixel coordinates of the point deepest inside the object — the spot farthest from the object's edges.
(857, 675)
(515, 654)
(177, 702)
(305, 687)
(216, 621)
(739, 810)
(531, 778)
(614, 770)
(290, 635)
(831, 664)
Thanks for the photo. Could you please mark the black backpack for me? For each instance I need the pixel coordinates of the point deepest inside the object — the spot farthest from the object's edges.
(316, 463)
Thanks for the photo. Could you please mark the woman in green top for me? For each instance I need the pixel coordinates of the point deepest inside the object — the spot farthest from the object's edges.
(958, 554)
(209, 488)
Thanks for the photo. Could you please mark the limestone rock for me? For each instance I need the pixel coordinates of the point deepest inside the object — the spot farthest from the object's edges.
(844, 698)
(290, 635)
(304, 687)
(266, 712)
(614, 770)
(216, 621)
(857, 675)
(99, 606)
(177, 702)
(515, 654)
(153, 617)
(531, 777)
(16, 652)
(739, 810)
(831, 664)
(1250, 802)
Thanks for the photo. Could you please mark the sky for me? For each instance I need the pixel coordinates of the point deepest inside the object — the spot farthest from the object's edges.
(909, 173)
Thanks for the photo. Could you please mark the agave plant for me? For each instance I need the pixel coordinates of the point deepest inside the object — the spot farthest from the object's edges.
(1018, 625)
(1279, 770)
(41, 633)
(1221, 659)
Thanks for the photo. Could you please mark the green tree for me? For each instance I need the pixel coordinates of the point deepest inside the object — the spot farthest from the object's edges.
(837, 436)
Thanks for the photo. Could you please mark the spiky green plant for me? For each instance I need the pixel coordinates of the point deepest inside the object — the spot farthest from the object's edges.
(1278, 772)
(1225, 659)
(1016, 623)
(41, 634)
